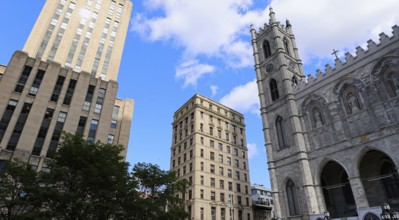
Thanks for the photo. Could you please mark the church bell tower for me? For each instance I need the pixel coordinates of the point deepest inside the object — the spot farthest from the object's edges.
(278, 71)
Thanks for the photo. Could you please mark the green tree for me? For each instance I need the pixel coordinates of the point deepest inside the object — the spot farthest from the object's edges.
(159, 192)
(90, 181)
(86, 180)
(18, 190)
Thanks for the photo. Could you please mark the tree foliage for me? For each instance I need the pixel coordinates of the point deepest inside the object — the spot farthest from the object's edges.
(18, 190)
(90, 181)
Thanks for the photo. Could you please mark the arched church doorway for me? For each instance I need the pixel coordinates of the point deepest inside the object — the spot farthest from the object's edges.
(380, 179)
(337, 191)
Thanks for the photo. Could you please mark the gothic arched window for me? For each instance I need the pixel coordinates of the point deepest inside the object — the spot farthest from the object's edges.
(294, 80)
(292, 198)
(287, 49)
(393, 82)
(282, 141)
(266, 49)
(274, 89)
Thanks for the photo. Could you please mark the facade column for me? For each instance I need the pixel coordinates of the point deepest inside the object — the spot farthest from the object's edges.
(358, 192)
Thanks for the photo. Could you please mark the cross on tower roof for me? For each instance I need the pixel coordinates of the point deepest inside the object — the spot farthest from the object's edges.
(335, 53)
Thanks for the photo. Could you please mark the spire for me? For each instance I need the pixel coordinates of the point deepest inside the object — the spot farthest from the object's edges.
(287, 23)
(272, 18)
(288, 26)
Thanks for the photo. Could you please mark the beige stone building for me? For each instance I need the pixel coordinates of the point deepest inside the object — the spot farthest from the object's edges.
(332, 140)
(84, 35)
(52, 86)
(209, 150)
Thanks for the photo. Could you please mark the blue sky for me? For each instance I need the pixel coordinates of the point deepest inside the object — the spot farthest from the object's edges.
(176, 48)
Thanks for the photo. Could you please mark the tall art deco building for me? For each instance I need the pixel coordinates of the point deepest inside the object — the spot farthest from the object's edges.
(65, 80)
(209, 150)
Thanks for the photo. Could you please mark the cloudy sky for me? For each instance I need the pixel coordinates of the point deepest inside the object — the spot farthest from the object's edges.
(176, 48)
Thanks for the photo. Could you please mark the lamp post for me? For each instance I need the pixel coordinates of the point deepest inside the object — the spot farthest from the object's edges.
(387, 214)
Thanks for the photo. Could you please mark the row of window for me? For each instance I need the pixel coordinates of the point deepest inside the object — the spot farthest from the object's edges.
(212, 108)
(223, 214)
(212, 154)
(222, 184)
(43, 130)
(219, 134)
(58, 88)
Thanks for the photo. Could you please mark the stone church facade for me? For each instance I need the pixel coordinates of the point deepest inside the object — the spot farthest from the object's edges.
(332, 139)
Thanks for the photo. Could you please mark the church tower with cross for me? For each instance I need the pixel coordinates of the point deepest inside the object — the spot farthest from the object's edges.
(278, 70)
(332, 137)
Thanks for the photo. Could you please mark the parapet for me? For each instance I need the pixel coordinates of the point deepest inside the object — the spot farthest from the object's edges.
(349, 59)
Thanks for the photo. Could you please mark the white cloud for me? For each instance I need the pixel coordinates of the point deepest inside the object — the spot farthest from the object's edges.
(210, 29)
(243, 98)
(192, 70)
(252, 150)
(321, 26)
(214, 90)
(207, 28)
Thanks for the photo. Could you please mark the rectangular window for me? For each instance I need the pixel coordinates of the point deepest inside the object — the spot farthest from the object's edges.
(220, 146)
(220, 158)
(22, 79)
(36, 83)
(93, 130)
(238, 175)
(56, 135)
(222, 197)
(69, 93)
(100, 100)
(110, 139)
(211, 143)
(202, 197)
(37, 148)
(213, 182)
(202, 166)
(213, 195)
(212, 168)
(223, 213)
(221, 172)
(19, 127)
(230, 186)
(238, 186)
(213, 213)
(81, 125)
(212, 155)
(221, 184)
(88, 98)
(5, 120)
(57, 89)
(229, 173)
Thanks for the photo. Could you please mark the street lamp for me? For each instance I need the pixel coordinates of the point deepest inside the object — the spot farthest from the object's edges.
(387, 214)
(326, 215)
